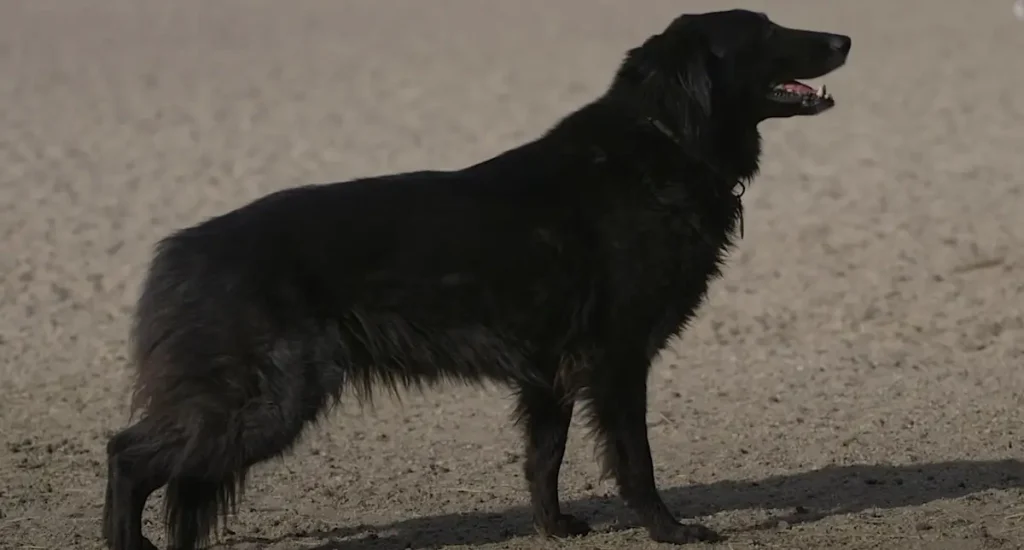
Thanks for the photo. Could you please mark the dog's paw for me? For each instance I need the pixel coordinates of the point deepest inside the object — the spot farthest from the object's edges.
(564, 526)
(684, 533)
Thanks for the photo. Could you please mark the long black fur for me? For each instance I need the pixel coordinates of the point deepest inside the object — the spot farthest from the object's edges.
(560, 268)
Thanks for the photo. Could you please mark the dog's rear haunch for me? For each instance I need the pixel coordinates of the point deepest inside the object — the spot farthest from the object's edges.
(561, 268)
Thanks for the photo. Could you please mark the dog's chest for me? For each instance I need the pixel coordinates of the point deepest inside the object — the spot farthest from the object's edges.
(666, 253)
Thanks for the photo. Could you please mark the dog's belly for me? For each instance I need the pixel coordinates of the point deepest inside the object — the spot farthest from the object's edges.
(469, 324)
(399, 350)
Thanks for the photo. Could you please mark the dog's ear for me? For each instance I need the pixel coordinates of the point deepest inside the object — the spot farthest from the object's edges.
(694, 100)
(671, 71)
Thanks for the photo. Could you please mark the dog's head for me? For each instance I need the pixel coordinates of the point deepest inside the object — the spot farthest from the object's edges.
(737, 66)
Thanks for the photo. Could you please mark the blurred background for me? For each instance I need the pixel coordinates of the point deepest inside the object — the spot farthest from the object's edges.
(855, 381)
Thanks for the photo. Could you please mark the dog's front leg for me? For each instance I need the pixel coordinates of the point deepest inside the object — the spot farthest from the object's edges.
(545, 414)
(618, 407)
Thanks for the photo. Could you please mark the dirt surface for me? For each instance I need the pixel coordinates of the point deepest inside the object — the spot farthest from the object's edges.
(856, 381)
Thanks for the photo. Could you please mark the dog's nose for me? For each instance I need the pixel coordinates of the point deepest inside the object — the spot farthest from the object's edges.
(840, 43)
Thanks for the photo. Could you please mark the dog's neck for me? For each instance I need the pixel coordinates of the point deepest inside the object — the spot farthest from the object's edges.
(745, 142)
(738, 181)
(728, 151)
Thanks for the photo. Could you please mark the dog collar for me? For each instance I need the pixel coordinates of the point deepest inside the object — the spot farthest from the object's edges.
(660, 126)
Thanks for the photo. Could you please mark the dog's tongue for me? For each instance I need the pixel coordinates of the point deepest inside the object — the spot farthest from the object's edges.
(798, 88)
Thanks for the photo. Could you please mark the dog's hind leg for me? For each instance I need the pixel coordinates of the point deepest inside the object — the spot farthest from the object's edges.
(135, 469)
(545, 415)
(203, 460)
(618, 408)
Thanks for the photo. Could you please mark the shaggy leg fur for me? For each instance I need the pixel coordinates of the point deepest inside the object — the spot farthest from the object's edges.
(546, 415)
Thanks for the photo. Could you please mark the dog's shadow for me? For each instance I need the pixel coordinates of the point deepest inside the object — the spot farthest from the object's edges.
(808, 496)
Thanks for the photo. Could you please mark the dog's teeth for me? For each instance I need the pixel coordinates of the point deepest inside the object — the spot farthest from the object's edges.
(823, 92)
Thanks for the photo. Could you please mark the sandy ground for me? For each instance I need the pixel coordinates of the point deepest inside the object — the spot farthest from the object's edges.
(856, 380)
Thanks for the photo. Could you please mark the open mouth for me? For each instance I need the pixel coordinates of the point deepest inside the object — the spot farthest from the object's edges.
(801, 96)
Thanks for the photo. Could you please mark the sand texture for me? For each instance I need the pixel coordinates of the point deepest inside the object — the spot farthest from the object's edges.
(856, 381)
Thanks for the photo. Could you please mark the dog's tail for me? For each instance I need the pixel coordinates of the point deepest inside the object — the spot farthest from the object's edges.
(202, 467)
(209, 478)
(194, 508)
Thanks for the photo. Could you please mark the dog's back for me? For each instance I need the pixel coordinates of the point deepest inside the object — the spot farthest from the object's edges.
(401, 279)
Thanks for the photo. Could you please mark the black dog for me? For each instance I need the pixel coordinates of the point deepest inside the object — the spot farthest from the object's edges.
(561, 268)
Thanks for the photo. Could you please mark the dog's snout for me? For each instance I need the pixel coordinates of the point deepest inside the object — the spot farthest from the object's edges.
(840, 43)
